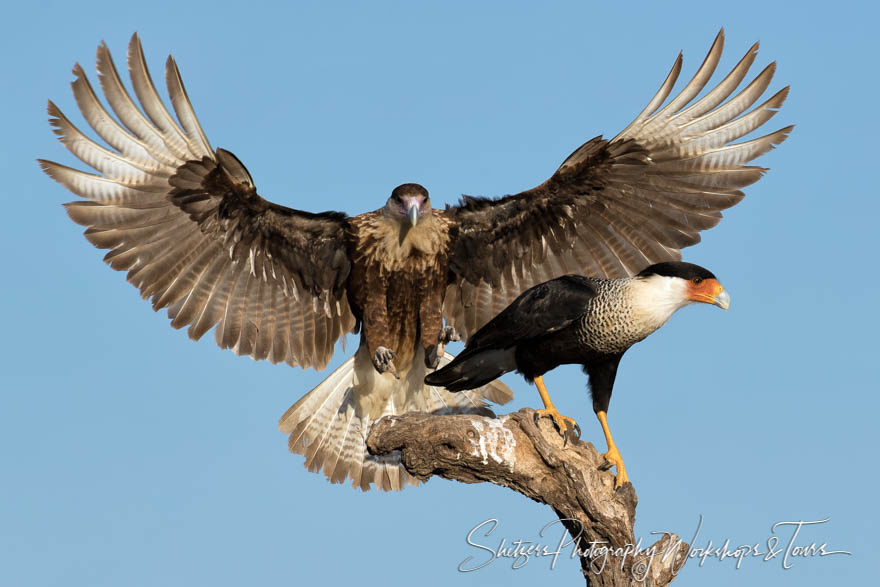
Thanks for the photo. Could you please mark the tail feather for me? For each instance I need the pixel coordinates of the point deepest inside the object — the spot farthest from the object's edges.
(329, 425)
(337, 467)
(473, 370)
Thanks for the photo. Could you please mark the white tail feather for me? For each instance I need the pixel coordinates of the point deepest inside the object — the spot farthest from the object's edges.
(329, 425)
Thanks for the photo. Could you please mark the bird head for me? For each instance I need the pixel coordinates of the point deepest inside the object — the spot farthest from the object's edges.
(408, 202)
(678, 284)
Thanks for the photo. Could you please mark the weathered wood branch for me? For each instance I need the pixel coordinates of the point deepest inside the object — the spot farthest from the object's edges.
(531, 459)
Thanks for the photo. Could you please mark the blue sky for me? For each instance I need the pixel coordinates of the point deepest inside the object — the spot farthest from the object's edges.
(133, 456)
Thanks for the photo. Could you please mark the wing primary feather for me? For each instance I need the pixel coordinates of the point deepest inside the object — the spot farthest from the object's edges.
(110, 130)
(111, 164)
(721, 91)
(735, 106)
(198, 142)
(725, 133)
(100, 189)
(125, 109)
(698, 82)
(151, 102)
(659, 97)
(739, 153)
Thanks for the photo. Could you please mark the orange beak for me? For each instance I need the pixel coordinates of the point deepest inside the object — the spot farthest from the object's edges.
(709, 291)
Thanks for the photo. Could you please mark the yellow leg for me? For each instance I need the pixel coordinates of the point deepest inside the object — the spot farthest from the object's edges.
(613, 455)
(563, 423)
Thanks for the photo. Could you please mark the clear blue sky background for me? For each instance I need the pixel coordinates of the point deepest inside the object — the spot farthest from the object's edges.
(132, 456)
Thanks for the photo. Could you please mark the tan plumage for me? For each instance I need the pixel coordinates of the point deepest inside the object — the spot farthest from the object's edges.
(185, 221)
(329, 425)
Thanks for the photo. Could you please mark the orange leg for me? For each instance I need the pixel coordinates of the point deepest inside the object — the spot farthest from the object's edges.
(613, 455)
(563, 423)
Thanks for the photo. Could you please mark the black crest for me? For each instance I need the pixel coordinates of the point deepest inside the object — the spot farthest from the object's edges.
(677, 269)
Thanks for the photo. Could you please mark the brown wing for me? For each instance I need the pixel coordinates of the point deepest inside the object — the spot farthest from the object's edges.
(614, 207)
(187, 224)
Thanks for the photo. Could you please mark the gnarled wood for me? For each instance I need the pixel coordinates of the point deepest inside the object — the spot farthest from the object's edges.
(531, 459)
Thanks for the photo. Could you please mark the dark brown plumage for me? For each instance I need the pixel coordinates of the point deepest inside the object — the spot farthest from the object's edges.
(281, 284)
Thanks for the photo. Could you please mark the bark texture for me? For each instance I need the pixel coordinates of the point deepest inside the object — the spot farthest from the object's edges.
(515, 452)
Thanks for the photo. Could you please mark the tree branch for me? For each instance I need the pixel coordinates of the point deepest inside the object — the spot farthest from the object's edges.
(531, 459)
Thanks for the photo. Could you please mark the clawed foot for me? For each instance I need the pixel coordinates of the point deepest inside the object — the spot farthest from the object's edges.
(613, 459)
(434, 352)
(565, 425)
(383, 360)
(447, 335)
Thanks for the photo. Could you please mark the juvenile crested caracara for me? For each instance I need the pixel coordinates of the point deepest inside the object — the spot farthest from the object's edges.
(185, 221)
(579, 320)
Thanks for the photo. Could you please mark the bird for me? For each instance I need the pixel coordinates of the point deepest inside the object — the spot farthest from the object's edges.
(185, 221)
(579, 320)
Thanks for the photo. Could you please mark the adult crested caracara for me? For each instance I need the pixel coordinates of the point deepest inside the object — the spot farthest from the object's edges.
(574, 319)
(185, 221)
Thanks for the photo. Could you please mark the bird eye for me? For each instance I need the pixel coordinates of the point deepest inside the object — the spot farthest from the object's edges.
(697, 280)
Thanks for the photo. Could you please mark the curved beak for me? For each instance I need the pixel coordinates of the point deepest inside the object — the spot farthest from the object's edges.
(722, 300)
(709, 291)
(413, 213)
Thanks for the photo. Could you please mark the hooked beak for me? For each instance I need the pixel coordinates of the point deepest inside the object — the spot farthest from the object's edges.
(722, 300)
(711, 292)
(413, 213)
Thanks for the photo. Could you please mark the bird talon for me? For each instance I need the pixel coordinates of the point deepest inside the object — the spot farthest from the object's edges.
(448, 334)
(433, 353)
(563, 424)
(613, 459)
(572, 435)
(383, 361)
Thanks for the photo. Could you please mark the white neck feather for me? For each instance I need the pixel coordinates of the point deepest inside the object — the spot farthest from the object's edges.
(656, 298)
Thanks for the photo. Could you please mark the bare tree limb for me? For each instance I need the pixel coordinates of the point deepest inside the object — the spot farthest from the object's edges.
(531, 459)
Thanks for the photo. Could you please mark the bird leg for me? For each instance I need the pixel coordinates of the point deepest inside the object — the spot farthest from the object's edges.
(612, 457)
(434, 352)
(447, 334)
(564, 424)
(383, 360)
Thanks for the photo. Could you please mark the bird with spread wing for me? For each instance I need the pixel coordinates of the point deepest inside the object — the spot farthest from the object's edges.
(185, 221)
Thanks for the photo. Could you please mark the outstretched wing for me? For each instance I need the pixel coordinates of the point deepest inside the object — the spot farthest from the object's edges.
(187, 224)
(614, 207)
